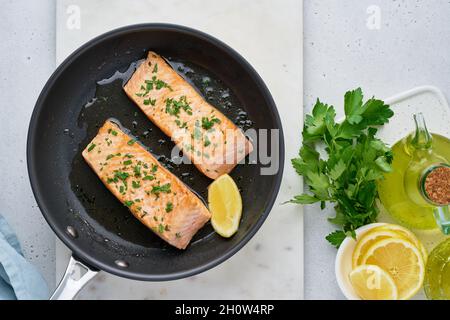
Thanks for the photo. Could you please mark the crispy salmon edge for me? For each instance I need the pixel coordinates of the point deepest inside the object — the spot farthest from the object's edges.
(205, 214)
(210, 174)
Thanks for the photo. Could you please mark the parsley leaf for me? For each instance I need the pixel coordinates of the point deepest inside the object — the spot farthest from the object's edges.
(148, 178)
(304, 199)
(173, 106)
(169, 207)
(208, 124)
(165, 188)
(128, 203)
(91, 147)
(336, 238)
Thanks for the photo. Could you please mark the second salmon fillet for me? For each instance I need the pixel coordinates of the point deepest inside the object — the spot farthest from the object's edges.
(209, 139)
(154, 195)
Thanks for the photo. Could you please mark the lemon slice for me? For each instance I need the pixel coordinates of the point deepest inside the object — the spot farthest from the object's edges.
(373, 283)
(402, 260)
(384, 232)
(367, 240)
(408, 235)
(225, 204)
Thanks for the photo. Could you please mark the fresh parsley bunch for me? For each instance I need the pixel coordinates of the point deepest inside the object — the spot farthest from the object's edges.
(355, 161)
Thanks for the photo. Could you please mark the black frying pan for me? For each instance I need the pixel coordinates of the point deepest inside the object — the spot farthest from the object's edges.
(99, 230)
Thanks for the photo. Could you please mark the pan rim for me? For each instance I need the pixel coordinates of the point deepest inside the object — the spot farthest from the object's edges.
(76, 250)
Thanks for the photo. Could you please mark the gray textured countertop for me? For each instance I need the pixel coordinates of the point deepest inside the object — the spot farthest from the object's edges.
(341, 53)
(27, 33)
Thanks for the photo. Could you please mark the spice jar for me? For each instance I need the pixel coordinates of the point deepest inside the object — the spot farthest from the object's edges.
(435, 185)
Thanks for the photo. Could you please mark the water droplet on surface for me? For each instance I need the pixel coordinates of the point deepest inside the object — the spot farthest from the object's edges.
(122, 263)
(225, 95)
(146, 134)
(209, 90)
(206, 80)
(71, 231)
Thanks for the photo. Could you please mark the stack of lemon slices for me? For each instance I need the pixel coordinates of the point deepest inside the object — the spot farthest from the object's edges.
(388, 264)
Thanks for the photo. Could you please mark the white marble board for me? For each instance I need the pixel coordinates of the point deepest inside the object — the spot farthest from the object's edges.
(269, 36)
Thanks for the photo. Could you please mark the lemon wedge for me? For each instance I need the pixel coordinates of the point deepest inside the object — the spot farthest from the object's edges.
(225, 204)
(402, 260)
(373, 283)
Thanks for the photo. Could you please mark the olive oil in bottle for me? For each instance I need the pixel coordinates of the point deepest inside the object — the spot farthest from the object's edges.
(418, 162)
(437, 273)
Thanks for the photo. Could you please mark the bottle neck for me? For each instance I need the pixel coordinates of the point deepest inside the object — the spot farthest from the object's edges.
(422, 139)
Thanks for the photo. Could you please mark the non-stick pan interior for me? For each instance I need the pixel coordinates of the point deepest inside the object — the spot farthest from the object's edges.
(73, 105)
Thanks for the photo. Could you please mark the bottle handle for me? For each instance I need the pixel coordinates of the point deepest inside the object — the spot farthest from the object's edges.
(442, 216)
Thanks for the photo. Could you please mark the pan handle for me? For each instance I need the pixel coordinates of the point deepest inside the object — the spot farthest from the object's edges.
(77, 275)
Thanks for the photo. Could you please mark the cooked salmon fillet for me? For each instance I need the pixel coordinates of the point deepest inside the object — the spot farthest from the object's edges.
(154, 195)
(207, 137)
